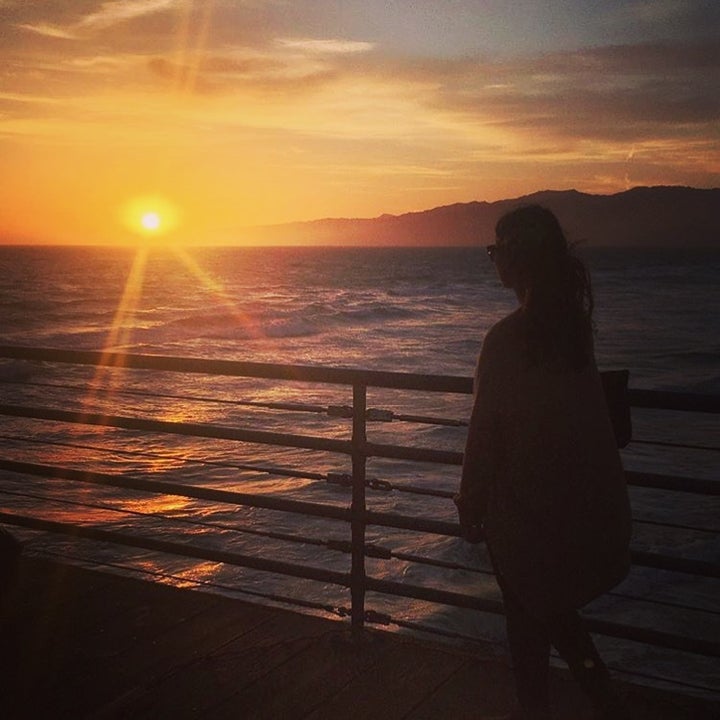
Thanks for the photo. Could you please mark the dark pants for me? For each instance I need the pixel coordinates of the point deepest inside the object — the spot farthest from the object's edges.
(530, 638)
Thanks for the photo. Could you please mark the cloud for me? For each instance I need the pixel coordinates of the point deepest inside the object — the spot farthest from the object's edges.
(116, 11)
(689, 18)
(213, 73)
(329, 47)
(288, 65)
(47, 30)
(623, 92)
(109, 14)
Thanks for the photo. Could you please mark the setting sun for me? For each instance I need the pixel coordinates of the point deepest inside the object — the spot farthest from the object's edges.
(151, 221)
(149, 216)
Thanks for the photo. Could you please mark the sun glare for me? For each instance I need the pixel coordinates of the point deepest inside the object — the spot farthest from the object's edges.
(151, 221)
(150, 217)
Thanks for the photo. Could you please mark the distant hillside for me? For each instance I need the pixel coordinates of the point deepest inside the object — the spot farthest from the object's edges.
(654, 216)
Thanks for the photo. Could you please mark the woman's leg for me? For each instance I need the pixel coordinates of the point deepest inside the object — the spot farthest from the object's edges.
(568, 635)
(530, 638)
(530, 653)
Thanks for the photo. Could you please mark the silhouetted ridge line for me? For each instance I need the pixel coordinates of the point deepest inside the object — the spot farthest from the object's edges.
(641, 217)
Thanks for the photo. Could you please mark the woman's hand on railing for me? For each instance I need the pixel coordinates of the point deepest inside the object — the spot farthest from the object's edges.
(470, 528)
(472, 534)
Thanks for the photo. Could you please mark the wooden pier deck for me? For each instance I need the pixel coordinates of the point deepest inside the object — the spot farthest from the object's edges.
(78, 643)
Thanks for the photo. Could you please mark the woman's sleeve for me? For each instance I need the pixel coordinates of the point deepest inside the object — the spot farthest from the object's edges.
(483, 441)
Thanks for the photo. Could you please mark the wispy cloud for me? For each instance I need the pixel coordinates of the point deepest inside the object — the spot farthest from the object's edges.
(289, 65)
(636, 91)
(109, 13)
(53, 31)
(115, 11)
(650, 13)
(330, 46)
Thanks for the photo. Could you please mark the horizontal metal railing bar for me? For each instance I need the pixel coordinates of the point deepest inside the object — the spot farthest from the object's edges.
(673, 400)
(288, 472)
(216, 432)
(649, 636)
(434, 595)
(168, 488)
(308, 408)
(681, 446)
(672, 482)
(641, 558)
(603, 627)
(116, 392)
(196, 582)
(399, 452)
(371, 414)
(677, 526)
(135, 454)
(371, 550)
(418, 524)
(219, 432)
(174, 548)
(650, 480)
(658, 399)
(699, 568)
(235, 527)
(395, 452)
(235, 368)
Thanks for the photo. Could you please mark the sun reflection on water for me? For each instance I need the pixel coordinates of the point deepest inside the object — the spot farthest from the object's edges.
(156, 504)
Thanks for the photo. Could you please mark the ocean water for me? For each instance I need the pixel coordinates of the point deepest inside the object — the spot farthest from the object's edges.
(398, 309)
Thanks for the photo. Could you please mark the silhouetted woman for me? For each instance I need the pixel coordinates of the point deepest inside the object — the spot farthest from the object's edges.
(542, 478)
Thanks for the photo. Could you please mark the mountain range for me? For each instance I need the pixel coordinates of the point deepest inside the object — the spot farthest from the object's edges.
(641, 217)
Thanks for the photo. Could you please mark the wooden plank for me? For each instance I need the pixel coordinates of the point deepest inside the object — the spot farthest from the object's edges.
(102, 613)
(647, 703)
(307, 680)
(126, 631)
(148, 662)
(477, 684)
(407, 675)
(204, 681)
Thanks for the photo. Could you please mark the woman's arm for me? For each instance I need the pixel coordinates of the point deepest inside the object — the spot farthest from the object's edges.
(481, 448)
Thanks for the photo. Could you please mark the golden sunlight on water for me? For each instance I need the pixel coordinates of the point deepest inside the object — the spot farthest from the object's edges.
(80, 511)
(160, 465)
(179, 412)
(157, 504)
(200, 572)
(208, 282)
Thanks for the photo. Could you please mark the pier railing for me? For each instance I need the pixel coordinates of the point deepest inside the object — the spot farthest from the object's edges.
(357, 447)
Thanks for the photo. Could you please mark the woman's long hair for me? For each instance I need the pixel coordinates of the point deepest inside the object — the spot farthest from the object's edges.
(558, 299)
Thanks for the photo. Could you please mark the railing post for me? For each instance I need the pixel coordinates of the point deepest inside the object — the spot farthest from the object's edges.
(357, 508)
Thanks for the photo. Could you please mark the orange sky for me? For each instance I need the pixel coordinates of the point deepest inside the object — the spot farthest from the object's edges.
(222, 114)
